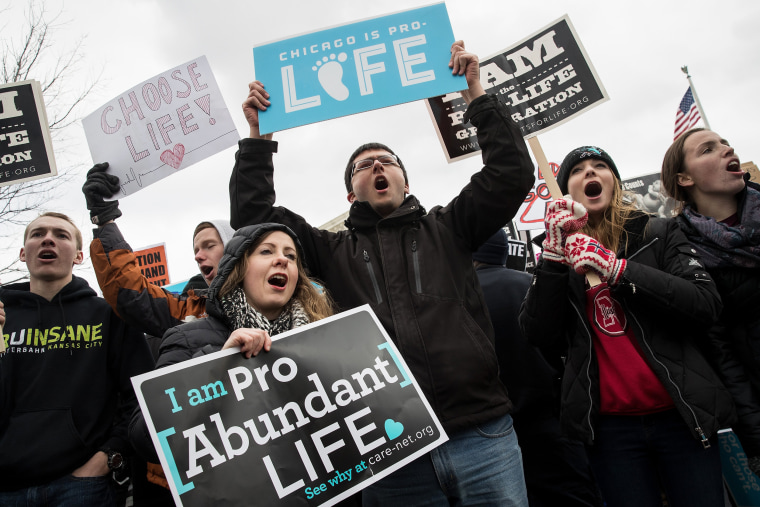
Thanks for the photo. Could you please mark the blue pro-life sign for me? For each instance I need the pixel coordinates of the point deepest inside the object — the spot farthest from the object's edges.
(358, 67)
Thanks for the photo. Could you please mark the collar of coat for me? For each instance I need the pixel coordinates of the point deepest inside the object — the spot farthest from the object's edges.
(362, 216)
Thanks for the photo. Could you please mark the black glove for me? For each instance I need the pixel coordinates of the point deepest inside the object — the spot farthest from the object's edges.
(96, 188)
(754, 465)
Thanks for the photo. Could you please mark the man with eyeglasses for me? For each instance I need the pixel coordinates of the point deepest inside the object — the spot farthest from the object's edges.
(414, 268)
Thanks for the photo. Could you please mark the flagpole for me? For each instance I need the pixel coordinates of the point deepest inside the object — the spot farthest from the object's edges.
(685, 70)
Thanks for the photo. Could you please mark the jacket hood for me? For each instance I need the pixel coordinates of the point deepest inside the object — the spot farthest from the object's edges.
(234, 250)
(224, 229)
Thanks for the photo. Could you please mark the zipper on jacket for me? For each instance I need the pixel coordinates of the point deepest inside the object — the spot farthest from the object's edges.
(703, 438)
(698, 428)
(416, 263)
(378, 296)
(644, 247)
(637, 252)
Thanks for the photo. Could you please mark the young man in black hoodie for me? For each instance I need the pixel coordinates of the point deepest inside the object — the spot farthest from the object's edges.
(68, 365)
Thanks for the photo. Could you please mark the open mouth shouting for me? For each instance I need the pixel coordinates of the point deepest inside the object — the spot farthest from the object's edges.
(381, 183)
(593, 189)
(207, 272)
(47, 255)
(278, 281)
(734, 166)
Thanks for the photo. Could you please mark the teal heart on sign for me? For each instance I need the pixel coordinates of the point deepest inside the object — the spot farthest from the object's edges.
(393, 429)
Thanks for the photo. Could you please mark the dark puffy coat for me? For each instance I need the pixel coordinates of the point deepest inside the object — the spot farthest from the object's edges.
(668, 298)
(531, 381)
(415, 268)
(735, 341)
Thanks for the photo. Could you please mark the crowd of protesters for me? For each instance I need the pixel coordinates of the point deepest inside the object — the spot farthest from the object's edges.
(565, 391)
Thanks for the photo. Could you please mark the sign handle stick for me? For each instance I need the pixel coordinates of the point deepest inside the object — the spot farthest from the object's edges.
(551, 184)
(2, 341)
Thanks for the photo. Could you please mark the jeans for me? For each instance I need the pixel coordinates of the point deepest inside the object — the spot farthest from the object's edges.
(68, 491)
(636, 458)
(477, 466)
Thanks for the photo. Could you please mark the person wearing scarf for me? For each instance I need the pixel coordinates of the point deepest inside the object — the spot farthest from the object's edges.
(261, 289)
(719, 211)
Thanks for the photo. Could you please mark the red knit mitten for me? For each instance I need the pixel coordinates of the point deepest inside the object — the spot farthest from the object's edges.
(585, 254)
(563, 217)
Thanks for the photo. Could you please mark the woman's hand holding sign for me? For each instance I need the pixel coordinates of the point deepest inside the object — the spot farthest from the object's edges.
(250, 341)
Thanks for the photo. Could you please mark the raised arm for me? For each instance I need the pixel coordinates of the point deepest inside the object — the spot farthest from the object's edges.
(257, 100)
(496, 192)
(141, 304)
(466, 64)
(252, 194)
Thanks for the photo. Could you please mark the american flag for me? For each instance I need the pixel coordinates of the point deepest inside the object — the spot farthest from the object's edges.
(687, 115)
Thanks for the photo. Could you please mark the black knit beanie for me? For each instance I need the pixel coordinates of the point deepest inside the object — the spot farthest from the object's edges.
(576, 156)
(494, 250)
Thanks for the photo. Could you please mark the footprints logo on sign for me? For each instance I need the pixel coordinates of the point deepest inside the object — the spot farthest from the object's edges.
(330, 75)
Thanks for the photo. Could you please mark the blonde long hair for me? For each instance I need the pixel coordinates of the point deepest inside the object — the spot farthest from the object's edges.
(317, 305)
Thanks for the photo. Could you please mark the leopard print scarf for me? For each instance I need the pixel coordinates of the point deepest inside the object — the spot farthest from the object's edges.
(240, 314)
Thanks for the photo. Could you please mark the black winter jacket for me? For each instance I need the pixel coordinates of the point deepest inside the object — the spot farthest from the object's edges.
(69, 362)
(531, 381)
(735, 340)
(668, 298)
(415, 268)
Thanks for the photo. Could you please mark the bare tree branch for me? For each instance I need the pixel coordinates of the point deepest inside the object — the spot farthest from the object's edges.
(31, 53)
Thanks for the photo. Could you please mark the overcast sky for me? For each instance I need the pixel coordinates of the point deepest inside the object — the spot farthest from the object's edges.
(637, 49)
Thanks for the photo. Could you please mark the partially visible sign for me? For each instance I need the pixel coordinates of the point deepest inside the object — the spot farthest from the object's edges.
(357, 67)
(648, 196)
(751, 168)
(518, 254)
(329, 410)
(26, 151)
(544, 80)
(153, 264)
(743, 485)
(530, 215)
(161, 126)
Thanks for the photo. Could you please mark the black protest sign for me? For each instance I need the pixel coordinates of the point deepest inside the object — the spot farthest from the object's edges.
(544, 80)
(518, 254)
(329, 410)
(26, 152)
(646, 193)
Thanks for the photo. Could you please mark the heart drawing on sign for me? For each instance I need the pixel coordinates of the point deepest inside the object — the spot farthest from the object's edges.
(174, 158)
(393, 429)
